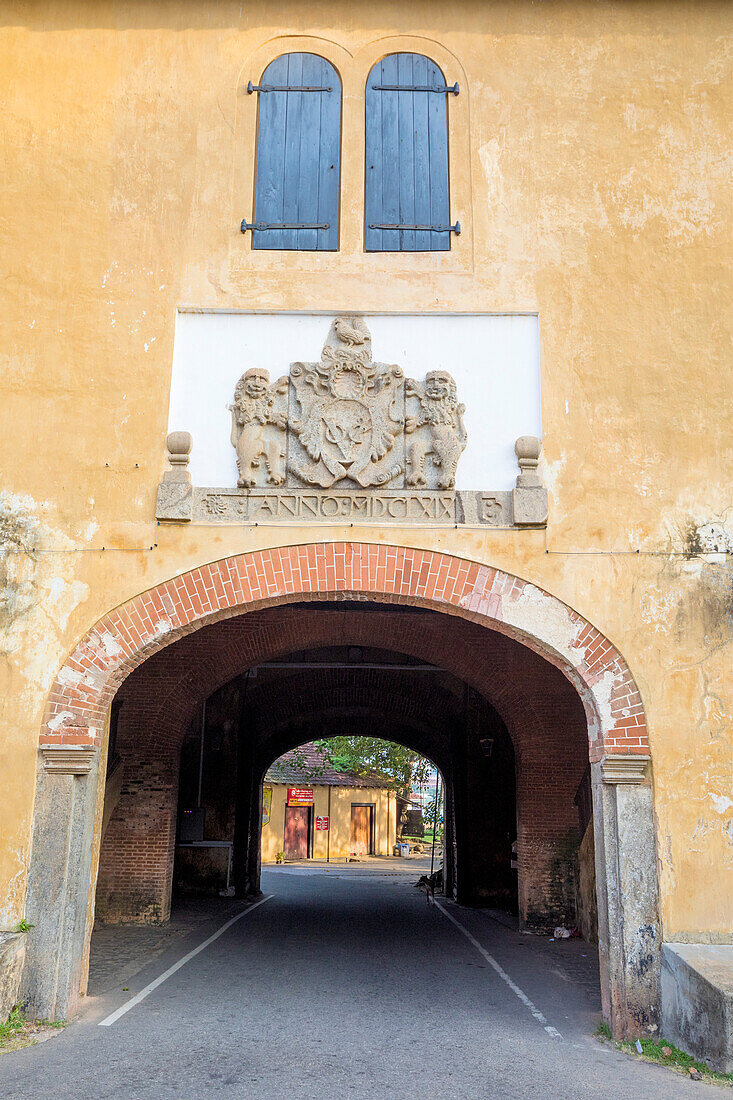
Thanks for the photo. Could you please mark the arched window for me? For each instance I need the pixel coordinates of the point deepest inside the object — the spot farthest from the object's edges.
(298, 150)
(407, 193)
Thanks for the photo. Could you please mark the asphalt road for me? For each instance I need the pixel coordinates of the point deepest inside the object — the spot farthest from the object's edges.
(347, 986)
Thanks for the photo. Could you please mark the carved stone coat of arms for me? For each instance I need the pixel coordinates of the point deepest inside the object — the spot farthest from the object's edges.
(349, 440)
(347, 422)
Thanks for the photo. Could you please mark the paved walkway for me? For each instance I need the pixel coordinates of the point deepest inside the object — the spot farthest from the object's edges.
(341, 984)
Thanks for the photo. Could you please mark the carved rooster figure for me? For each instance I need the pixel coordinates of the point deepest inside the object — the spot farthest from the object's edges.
(351, 331)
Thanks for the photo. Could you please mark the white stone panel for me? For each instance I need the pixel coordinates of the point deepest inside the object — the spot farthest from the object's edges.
(494, 359)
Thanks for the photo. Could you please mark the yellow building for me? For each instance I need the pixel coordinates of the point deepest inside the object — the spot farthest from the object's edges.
(569, 608)
(312, 811)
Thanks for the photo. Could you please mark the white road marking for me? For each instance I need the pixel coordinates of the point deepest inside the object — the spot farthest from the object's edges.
(502, 974)
(114, 1016)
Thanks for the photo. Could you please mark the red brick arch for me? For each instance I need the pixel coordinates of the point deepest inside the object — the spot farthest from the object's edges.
(127, 636)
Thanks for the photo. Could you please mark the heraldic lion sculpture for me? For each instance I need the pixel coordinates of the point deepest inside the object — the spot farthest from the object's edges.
(437, 429)
(259, 421)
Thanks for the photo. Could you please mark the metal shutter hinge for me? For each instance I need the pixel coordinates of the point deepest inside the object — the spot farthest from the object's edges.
(284, 88)
(261, 227)
(451, 89)
(425, 228)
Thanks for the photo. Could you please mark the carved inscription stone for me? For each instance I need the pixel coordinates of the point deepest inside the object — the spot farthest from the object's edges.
(348, 506)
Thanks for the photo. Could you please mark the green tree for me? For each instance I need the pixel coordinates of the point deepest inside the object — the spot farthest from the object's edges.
(371, 757)
(431, 816)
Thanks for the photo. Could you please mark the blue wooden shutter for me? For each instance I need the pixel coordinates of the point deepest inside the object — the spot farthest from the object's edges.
(298, 150)
(406, 155)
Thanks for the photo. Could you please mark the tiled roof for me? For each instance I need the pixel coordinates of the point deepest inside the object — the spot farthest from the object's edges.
(309, 765)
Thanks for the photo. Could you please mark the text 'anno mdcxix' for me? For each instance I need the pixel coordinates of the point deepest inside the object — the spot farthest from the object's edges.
(430, 507)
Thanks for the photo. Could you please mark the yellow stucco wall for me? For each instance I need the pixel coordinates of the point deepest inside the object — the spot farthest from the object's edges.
(338, 845)
(588, 167)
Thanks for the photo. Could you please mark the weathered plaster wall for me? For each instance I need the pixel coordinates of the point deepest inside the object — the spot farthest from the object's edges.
(12, 955)
(589, 173)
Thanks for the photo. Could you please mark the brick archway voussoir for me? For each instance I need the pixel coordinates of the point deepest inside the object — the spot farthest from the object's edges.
(128, 635)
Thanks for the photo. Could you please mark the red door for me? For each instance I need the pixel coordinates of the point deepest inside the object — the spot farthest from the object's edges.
(296, 832)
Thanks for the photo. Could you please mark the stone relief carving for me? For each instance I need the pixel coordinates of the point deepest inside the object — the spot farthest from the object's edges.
(436, 429)
(259, 421)
(343, 421)
(346, 414)
(348, 439)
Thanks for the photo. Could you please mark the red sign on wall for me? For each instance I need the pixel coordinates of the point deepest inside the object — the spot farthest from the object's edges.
(322, 824)
(300, 796)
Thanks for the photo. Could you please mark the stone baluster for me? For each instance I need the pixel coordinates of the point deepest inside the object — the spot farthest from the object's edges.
(529, 499)
(175, 493)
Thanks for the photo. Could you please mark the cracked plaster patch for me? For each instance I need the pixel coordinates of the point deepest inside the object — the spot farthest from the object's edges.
(657, 609)
(110, 645)
(548, 620)
(603, 692)
(552, 475)
(721, 802)
(59, 720)
(14, 901)
(95, 680)
(69, 675)
(65, 596)
(35, 602)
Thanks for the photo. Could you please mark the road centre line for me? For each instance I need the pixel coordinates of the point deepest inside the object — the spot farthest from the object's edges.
(502, 973)
(114, 1016)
